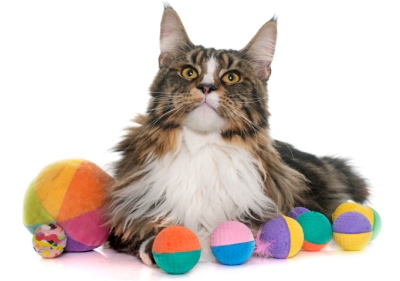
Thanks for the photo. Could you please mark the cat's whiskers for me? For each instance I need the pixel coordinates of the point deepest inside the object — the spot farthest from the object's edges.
(247, 121)
(237, 122)
(254, 100)
(149, 126)
(152, 124)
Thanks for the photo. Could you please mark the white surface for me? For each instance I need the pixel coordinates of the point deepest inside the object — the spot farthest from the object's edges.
(73, 73)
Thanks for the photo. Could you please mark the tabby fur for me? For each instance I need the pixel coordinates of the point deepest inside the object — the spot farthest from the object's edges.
(202, 154)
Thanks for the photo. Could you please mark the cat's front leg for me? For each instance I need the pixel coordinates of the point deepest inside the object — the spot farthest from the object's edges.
(146, 253)
(141, 248)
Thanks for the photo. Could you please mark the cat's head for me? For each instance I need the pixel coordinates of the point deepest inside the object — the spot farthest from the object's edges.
(211, 90)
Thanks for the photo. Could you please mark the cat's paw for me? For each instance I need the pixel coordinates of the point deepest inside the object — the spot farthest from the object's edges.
(146, 254)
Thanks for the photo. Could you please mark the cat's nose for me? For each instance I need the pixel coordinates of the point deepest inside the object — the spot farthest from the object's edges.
(206, 88)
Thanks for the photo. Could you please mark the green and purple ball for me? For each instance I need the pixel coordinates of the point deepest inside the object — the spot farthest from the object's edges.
(316, 227)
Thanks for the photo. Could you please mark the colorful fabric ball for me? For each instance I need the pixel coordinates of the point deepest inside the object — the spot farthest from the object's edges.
(232, 243)
(176, 249)
(49, 240)
(71, 194)
(352, 231)
(316, 227)
(281, 237)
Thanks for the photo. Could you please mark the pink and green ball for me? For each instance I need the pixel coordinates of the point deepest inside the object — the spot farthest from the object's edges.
(232, 243)
(316, 227)
(71, 194)
(281, 237)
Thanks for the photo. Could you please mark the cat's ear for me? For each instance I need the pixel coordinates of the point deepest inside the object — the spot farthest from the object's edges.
(261, 48)
(173, 36)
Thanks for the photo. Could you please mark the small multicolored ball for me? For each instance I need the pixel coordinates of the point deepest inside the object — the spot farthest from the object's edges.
(176, 249)
(352, 231)
(316, 227)
(281, 237)
(232, 243)
(49, 240)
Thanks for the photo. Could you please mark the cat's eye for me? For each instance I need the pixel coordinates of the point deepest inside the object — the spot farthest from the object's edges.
(230, 78)
(189, 73)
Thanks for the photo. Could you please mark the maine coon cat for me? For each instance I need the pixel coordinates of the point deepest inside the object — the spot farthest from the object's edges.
(202, 154)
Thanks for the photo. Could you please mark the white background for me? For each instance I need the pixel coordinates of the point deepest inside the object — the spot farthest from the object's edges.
(73, 73)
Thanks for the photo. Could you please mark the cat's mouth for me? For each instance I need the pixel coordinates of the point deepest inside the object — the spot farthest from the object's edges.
(204, 104)
(210, 101)
(204, 116)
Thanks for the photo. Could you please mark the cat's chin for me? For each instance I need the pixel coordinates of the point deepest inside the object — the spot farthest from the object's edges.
(204, 119)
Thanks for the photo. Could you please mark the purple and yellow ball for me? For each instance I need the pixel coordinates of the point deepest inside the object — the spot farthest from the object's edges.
(371, 214)
(281, 237)
(316, 227)
(352, 231)
(232, 243)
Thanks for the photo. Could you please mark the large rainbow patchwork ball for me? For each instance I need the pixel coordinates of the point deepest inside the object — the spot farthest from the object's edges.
(316, 227)
(281, 237)
(232, 243)
(70, 194)
(176, 249)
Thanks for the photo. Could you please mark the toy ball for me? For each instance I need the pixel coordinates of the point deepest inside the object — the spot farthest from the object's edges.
(371, 214)
(281, 237)
(376, 223)
(232, 243)
(344, 207)
(316, 227)
(49, 240)
(296, 212)
(352, 231)
(176, 249)
(69, 193)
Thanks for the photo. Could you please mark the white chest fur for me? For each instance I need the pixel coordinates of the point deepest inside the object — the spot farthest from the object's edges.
(205, 182)
(209, 182)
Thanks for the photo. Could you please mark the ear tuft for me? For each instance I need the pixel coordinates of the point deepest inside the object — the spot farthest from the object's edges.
(167, 5)
(261, 48)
